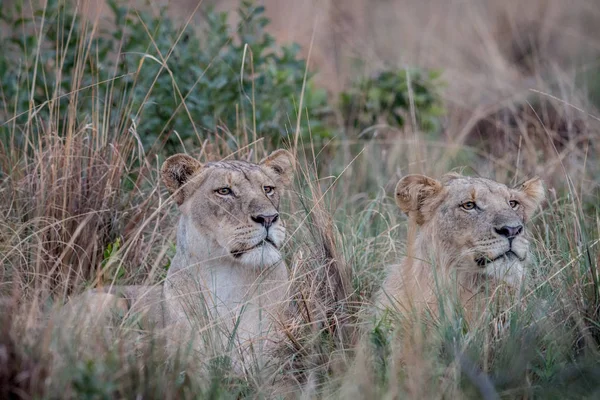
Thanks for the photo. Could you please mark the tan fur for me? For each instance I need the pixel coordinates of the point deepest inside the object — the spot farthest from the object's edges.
(228, 273)
(227, 281)
(459, 250)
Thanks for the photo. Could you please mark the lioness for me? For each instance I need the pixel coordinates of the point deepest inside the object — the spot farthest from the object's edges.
(227, 274)
(471, 238)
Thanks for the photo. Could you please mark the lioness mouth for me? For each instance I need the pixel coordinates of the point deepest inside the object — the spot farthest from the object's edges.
(239, 253)
(484, 261)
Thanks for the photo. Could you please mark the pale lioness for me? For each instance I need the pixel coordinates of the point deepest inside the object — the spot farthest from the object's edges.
(228, 264)
(227, 275)
(471, 238)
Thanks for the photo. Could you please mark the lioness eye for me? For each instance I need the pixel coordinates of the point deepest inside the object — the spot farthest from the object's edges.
(268, 189)
(225, 191)
(514, 204)
(468, 205)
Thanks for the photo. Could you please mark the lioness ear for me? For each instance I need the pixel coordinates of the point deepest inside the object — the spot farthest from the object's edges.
(281, 164)
(533, 195)
(176, 171)
(414, 193)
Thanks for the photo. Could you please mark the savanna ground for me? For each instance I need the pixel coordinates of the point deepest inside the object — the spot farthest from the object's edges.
(92, 101)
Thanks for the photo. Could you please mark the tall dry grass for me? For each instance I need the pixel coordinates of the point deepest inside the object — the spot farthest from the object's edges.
(81, 206)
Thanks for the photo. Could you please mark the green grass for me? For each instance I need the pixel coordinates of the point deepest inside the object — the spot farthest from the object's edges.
(81, 206)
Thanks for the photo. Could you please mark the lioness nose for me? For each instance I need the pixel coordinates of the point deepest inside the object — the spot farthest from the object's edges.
(509, 231)
(265, 220)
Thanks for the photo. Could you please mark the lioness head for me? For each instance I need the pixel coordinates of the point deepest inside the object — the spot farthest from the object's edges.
(235, 204)
(479, 223)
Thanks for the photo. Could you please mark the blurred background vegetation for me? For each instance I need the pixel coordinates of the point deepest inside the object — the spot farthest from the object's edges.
(180, 85)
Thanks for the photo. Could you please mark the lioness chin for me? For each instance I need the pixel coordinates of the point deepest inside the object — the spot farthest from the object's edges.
(471, 239)
(227, 283)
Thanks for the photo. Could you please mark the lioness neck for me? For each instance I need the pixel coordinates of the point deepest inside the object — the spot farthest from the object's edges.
(201, 266)
(201, 254)
(428, 270)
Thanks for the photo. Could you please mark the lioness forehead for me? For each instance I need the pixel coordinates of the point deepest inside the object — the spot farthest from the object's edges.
(477, 185)
(234, 165)
(235, 172)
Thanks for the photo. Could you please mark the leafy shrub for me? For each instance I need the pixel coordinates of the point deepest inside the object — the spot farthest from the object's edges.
(224, 81)
(387, 97)
(150, 73)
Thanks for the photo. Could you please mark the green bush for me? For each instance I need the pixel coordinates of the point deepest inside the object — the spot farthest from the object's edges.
(214, 78)
(387, 97)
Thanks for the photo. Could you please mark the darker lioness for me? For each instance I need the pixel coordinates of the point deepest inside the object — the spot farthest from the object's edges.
(471, 237)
